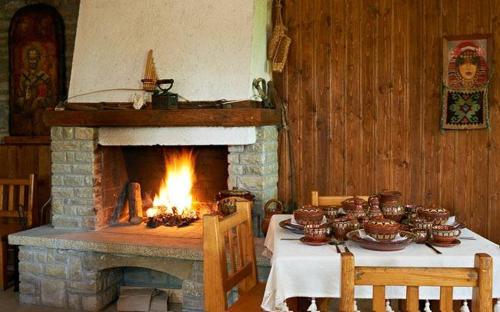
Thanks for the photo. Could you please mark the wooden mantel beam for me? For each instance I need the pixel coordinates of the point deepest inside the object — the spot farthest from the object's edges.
(228, 117)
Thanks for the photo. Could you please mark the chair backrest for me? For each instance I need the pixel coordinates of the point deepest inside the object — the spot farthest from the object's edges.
(228, 256)
(480, 278)
(16, 199)
(317, 200)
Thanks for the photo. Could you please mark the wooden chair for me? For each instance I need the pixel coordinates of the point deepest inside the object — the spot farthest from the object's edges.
(317, 200)
(229, 261)
(16, 214)
(480, 278)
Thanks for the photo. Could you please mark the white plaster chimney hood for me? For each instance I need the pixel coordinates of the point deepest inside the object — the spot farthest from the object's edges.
(213, 49)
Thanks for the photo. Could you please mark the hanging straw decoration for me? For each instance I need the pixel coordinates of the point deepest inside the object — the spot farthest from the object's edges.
(150, 75)
(279, 43)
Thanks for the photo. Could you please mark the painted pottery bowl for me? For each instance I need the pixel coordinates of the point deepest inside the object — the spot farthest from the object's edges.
(382, 230)
(411, 212)
(389, 197)
(445, 233)
(421, 236)
(330, 212)
(341, 226)
(394, 213)
(354, 204)
(437, 215)
(357, 215)
(422, 224)
(313, 232)
(308, 215)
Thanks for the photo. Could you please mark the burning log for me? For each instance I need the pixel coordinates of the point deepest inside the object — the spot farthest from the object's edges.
(162, 216)
(135, 203)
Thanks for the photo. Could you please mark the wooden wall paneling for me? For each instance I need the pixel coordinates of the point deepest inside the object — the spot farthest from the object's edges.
(309, 88)
(365, 111)
(290, 93)
(494, 151)
(449, 17)
(383, 156)
(399, 103)
(479, 205)
(323, 31)
(494, 144)
(337, 147)
(463, 169)
(354, 133)
(22, 160)
(280, 83)
(432, 72)
(367, 93)
(415, 122)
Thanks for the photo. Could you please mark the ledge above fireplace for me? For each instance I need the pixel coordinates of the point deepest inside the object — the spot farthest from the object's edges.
(209, 117)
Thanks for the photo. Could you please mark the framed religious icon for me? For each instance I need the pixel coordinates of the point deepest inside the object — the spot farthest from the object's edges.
(466, 75)
(36, 66)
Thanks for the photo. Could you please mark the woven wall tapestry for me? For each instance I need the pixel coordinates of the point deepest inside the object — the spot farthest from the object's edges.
(465, 82)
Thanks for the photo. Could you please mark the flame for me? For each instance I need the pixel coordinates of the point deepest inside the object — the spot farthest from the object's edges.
(175, 188)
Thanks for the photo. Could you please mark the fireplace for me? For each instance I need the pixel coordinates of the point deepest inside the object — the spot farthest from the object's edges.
(170, 178)
(82, 259)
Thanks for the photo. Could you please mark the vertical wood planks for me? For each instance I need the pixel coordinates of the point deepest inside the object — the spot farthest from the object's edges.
(369, 16)
(399, 100)
(383, 153)
(494, 135)
(354, 137)
(337, 147)
(415, 102)
(308, 91)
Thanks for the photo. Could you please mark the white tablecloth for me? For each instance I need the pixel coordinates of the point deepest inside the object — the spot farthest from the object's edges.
(299, 270)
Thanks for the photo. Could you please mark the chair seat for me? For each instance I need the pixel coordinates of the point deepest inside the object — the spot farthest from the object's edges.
(250, 301)
(6, 229)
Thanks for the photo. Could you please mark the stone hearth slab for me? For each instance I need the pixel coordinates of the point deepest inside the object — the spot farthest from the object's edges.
(178, 243)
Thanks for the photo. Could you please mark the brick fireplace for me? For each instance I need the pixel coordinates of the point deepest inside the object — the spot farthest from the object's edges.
(79, 262)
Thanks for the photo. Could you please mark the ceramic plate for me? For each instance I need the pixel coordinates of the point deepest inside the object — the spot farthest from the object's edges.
(314, 242)
(371, 244)
(440, 244)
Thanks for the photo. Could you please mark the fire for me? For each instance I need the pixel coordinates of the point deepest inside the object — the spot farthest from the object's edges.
(175, 188)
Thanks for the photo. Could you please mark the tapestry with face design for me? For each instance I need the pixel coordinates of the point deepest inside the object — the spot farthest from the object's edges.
(465, 84)
(37, 79)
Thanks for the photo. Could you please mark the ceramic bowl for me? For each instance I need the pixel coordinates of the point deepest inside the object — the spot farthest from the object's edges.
(330, 212)
(445, 233)
(341, 226)
(421, 236)
(354, 204)
(394, 213)
(411, 212)
(422, 224)
(437, 215)
(382, 229)
(308, 215)
(313, 232)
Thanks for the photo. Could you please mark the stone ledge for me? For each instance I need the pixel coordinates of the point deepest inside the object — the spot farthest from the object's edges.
(190, 248)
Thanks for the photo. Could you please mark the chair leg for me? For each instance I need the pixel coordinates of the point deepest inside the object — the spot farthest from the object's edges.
(3, 265)
(16, 268)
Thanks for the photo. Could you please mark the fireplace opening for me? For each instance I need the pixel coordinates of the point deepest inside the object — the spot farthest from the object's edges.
(177, 183)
